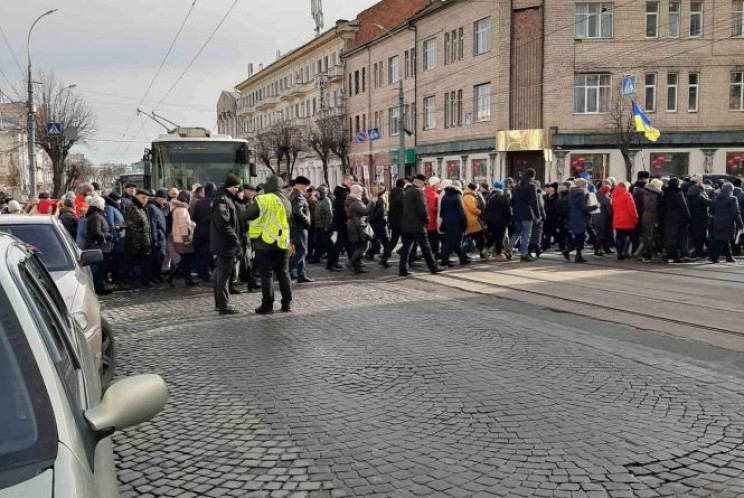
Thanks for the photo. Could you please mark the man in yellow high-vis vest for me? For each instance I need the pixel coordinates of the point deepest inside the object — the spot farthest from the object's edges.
(269, 233)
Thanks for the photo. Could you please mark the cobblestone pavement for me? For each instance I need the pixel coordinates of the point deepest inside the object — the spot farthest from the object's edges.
(392, 389)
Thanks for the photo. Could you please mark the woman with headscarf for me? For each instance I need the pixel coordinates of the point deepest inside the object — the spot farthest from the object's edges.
(357, 225)
(726, 219)
(183, 238)
(676, 218)
(651, 219)
(454, 224)
(96, 236)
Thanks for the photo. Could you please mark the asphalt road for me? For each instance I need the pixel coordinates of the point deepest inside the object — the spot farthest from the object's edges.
(392, 388)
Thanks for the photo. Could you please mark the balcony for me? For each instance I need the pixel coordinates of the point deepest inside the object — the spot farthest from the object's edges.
(336, 71)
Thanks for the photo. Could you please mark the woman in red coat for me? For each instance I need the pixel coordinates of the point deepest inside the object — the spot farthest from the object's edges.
(625, 218)
(432, 206)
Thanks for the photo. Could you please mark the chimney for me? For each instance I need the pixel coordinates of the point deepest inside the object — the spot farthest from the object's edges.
(250, 69)
(278, 54)
(260, 67)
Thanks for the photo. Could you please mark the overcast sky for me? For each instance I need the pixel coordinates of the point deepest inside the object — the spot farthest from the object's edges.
(111, 50)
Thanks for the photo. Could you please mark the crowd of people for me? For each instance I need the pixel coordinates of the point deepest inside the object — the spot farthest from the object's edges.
(243, 233)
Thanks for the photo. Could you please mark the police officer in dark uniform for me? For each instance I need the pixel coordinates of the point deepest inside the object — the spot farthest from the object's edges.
(247, 271)
(225, 240)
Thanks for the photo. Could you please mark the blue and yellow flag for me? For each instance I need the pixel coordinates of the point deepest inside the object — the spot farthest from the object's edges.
(643, 124)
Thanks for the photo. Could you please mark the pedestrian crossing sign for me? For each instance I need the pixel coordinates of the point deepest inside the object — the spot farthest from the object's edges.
(54, 129)
(628, 86)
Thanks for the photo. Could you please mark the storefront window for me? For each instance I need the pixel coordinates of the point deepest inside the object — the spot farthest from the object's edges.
(428, 169)
(597, 166)
(453, 170)
(480, 170)
(735, 163)
(670, 163)
(380, 171)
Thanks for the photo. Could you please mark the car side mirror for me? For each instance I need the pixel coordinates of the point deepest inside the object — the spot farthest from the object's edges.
(91, 257)
(128, 402)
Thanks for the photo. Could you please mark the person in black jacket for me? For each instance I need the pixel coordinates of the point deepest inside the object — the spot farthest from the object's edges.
(526, 210)
(158, 233)
(454, 224)
(201, 214)
(225, 241)
(413, 227)
(676, 218)
(552, 226)
(637, 192)
(698, 203)
(498, 217)
(299, 224)
(340, 193)
(395, 219)
(137, 244)
(67, 217)
(96, 233)
(377, 219)
(726, 221)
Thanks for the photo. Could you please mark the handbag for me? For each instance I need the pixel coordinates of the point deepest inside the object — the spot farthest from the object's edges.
(364, 233)
(186, 247)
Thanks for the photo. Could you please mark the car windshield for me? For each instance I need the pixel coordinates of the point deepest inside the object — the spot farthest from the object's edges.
(28, 438)
(46, 240)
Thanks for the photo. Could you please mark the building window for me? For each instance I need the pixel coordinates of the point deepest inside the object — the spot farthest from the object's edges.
(649, 92)
(447, 110)
(454, 43)
(453, 170)
(737, 12)
(393, 121)
(693, 89)
(430, 116)
(671, 163)
(736, 102)
(357, 82)
(592, 93)
(597, 166)
(482, 36)
(672, 85)
(652, 19)
(381, 75)
(429, 169)
(482, 102)
(374, 75)
(430, 54)
(413, 61)
(393, 70)
(480, 170)
(735, 163)
(674, 19)
(407, 63)
(356, 120)
(364, 79)
(453, 109)
(696, 19)
(593, 20)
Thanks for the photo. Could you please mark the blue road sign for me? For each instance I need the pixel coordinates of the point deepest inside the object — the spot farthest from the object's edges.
(54, 129)
(374, 134)
(361, 137)
(628, 86)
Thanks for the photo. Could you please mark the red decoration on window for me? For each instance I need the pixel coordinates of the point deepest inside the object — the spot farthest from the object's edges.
(574, 163)
(581, 160)
(737, 159)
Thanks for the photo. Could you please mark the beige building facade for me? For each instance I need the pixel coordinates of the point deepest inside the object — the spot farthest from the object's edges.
(687, 57)
(300, 86)
(14, 171)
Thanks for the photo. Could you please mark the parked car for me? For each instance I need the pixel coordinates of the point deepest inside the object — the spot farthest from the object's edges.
(55, 427)
(68, 267)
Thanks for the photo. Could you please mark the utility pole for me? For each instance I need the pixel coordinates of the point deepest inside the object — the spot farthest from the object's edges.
(31, 121)
(401, 170)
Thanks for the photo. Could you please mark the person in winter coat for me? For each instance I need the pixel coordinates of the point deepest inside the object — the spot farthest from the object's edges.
(624, 219)
(115, 220)
(158, 233)
(602, 222)
(739, 194)
(96, 233)
(201, 215)
(340, 193)
(650, 220)
(47, 205)
(637, 191)
(676, 218)
(454, 224)
(726, 220)
(698, 203)
(378, 221)
(578, 219)
(224, 241)
(473, 202)
(323, 223)
(525, 210)
(67, 217)
(536, 235)
(413, 225)
(551, 227)
(137, 241)
(498, 217)
(356, 226)
(183, 230)
(395, 219)
(299, 224)
(432, 205)
(564, 234)
(81, 228)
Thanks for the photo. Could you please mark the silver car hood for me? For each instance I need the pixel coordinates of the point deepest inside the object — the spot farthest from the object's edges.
(40, 486)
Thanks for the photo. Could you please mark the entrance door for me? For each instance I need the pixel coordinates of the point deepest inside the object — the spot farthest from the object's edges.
(520, 162)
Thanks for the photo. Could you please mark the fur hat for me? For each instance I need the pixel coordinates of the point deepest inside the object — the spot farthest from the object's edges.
(356, 190)
(302, 180)
(162, 193)
(446, 183)
(457, 184)
(421, 178)
(727, 187)
(272, 184)
(656, 183)
(231, 181)
(98, 202)
(13, 206)
(644, 175)
(434, 181)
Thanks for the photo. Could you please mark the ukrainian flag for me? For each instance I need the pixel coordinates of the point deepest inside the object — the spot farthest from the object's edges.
(643, 124)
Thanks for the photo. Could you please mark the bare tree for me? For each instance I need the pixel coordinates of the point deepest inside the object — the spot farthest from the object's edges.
(107, 173)
(78, 170)
(619, 121)
(264, 146)
(340, 142)
(59, 103)
(290, 144)
(320, 137)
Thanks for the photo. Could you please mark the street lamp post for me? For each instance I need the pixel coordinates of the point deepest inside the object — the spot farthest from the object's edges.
(401, 110)
(31, 125)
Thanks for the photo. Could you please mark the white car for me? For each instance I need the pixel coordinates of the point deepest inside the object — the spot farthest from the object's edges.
(55, 427)
(68, 266)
